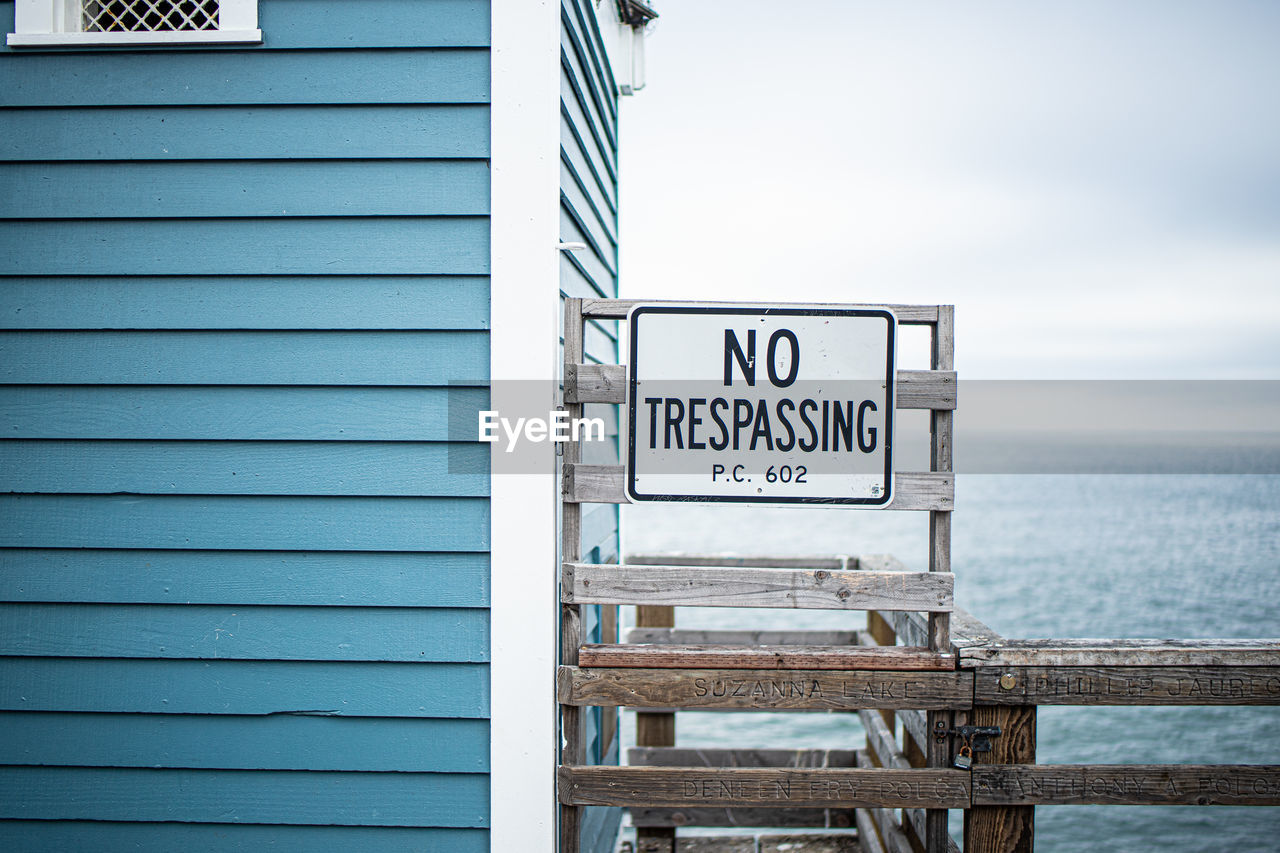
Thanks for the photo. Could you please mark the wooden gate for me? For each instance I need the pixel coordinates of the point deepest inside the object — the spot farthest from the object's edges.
(921, 664)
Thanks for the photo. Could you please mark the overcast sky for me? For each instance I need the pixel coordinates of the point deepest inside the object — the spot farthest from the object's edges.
(1095, 185)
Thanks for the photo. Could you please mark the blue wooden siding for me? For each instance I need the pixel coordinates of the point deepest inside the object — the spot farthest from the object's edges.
(244, 524)
(589, 214)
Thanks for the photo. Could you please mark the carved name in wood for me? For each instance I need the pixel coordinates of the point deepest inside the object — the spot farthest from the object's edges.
(1255, 685)
(1126, 784)
(764, 689)
(681, 786)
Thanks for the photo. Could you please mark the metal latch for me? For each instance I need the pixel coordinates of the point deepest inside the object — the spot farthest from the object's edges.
(977, 738)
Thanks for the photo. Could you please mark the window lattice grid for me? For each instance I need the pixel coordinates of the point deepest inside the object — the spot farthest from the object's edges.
(148, 16)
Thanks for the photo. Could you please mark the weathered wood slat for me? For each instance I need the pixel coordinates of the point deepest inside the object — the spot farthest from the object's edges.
(656, 730)
(880, 742)
(778, 690)
(926, 389)
(1124, 653)
(607, 383)
(908, 315)
(711, 816)
(743, 786)
(1010, 829)
(690, 636)
(879, 563)
(1119, 685)
(867, 834)
(922, 490)
(779, 561)
(595, 383)
(912, 628)
(586, 583)
(673, 756)
(707, 656)
(914, 819)
(572, 734)
(968, 631)
(915, 727)
(1127, 784)
(881, 823)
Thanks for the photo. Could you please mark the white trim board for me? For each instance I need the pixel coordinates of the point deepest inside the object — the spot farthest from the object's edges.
(525, 308)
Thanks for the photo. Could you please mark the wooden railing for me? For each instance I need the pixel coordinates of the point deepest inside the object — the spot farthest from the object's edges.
(921, 662)
(886, 790)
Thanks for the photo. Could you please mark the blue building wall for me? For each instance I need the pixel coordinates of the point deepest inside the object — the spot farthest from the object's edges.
(243, 593)
(589, 214)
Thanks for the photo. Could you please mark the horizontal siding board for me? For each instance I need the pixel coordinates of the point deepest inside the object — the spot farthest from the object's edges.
(245, 687)
(575, 282)
(326, 579)
(248, 523)
(588, 27)
(422, 245)
(586, 195)
(245, 302)
(602, 160)
(572, 73)
(377, 23)
(230, 838)
(293, 24)
(275, 742)
(243, 358)
(234, 796)
(251, 77)
(203, 632)
(219, 412)
(584, 118)
(417, 469)
(587, 215)
(585, 159)
(239, 132)
(245, 188)
(579, 225)
(577, 58)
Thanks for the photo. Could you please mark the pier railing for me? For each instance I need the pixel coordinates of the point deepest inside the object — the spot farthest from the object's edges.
(951, 702)
(963, 698)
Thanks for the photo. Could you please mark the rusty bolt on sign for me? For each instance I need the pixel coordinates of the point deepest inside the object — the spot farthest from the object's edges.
(1008, 681)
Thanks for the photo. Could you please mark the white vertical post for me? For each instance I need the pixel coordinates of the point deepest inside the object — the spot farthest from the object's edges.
(525, 299)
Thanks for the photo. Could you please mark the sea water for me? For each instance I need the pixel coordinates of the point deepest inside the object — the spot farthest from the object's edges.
(1036, 556)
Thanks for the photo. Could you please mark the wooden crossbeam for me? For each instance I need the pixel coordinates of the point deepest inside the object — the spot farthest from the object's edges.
(923, 490)
(777, 690)
(891, 833)
(588, 583)
(1126, 784)
(1213, 653)
(692, 636)
(706, 656)
(741, 561)
(607, 383)
(753, 787)
(698, 815)
(1128, 685)
(908, 315)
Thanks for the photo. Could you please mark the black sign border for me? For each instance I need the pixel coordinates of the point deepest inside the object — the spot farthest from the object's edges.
(755, 311)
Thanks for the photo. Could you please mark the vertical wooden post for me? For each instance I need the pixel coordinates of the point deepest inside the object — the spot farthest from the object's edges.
(608, 716)
(572, 747)
(655, 730)
(1004, 829)
(939, 747)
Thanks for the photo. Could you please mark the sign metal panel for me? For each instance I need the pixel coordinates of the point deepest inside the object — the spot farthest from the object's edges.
(761, 404)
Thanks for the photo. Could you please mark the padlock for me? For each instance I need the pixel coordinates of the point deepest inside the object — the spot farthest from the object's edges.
(965, 759)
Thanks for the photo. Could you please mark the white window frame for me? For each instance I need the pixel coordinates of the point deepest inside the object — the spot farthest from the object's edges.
(56, 23)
